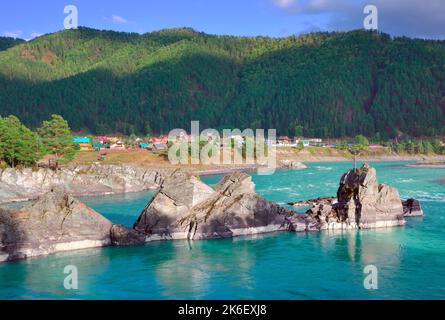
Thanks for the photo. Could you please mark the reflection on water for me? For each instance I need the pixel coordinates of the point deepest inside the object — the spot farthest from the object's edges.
(367, 247)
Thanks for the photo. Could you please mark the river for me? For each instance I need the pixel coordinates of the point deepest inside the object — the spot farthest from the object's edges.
(410, 260)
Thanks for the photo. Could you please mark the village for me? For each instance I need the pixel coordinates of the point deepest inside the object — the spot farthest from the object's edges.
(160, 143)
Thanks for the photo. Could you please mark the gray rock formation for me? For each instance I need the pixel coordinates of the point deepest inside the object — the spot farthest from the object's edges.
(361, 203)
(292, 164)
(186, 208)
(412, 208)
(27, 184)
(55, 222)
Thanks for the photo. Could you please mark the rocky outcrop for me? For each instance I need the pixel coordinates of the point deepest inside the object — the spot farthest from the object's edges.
(361, 203)
(58, 222)
(55, 222)
(412, 208)
(186, 208)
(27, 184)
(292, 164)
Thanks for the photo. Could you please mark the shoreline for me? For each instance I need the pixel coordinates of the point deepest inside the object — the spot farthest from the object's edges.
(20, 197)
(371, 159)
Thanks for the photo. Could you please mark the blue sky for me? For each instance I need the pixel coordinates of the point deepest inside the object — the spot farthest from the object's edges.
(416, 18)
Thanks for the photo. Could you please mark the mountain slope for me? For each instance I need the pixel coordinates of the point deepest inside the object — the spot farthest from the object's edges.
(331, 84)
(7, 42)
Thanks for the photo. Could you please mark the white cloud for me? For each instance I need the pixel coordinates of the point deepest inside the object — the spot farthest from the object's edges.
(285, 3)
(13, 34)
(415, 18)
(35, 35)
(118, 20)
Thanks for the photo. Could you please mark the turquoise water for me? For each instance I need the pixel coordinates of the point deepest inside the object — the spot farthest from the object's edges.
(410, 259)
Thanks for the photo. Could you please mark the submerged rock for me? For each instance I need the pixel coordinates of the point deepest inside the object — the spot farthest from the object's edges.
(186, 208)
(292, 164)
(412, 208)
(361, 203)
(55, 222)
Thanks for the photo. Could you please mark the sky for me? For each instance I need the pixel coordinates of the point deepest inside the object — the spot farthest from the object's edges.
(276, 18)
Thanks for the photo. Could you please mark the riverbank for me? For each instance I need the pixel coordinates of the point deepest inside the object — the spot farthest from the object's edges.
(141, 170)
(150, 159)
(436, 165)
(28, 184)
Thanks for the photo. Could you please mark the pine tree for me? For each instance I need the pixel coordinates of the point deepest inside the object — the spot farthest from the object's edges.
(56, 137)
(18, 144)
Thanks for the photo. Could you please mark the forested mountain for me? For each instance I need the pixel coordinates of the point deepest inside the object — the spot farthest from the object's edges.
(327, 84)
(7, 42)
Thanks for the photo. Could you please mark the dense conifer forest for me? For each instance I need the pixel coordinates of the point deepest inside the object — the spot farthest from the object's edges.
(319, 84)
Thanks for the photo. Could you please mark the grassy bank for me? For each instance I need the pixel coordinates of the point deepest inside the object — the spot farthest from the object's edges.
(310, 154)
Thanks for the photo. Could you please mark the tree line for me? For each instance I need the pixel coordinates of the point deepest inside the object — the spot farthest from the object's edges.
(20, 146)
(406, 145)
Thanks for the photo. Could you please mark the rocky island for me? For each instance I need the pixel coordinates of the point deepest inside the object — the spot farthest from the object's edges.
(186, 208)
(57, 222)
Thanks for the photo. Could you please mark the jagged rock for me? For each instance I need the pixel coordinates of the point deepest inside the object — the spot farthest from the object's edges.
(231, 209)
(291, 164)
(123, 236)
(27, 184)
(362, 203)
(55, 222)
(179, 192)
(412, 208)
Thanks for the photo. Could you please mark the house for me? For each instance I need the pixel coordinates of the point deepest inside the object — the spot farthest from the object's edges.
(82, 140)
(284, 141)
(160, 140)
(84, 143)
(315, 142)
(103, 139)
(119, 145)
(114, 140)
(85, 146)
(100, 146)
(144, 145)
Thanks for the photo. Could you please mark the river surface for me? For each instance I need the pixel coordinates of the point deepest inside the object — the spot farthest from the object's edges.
(410, 260)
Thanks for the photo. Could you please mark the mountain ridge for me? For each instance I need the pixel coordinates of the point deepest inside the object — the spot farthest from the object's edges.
(320, 84)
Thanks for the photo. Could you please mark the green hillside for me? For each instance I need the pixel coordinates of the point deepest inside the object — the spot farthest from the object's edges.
(330, 84)
(7, 42)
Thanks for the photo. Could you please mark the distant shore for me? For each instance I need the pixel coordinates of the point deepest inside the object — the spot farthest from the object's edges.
(134, 173)
(439, 165)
